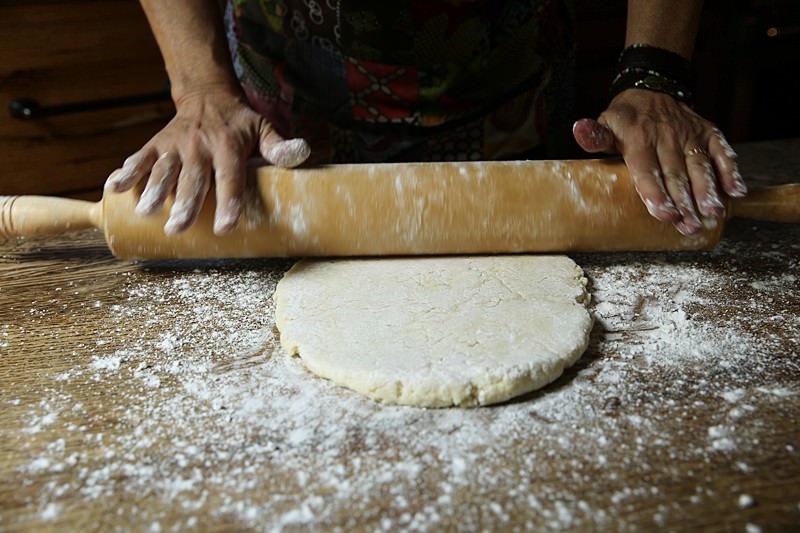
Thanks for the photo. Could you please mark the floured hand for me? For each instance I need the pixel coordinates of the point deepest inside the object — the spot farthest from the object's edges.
(680, 163)
(207, 142)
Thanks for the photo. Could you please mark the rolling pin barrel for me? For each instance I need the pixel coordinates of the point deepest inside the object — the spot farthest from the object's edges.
(403, 209)
(416, 209)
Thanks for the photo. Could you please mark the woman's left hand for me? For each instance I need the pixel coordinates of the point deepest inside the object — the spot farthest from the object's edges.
(680, 163)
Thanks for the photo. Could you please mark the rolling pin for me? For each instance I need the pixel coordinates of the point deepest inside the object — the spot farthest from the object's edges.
(403, 209)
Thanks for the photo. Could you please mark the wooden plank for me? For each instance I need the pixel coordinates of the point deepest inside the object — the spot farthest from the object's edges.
(132, 397)
(60, 52)
(65, 53)
(60, 155)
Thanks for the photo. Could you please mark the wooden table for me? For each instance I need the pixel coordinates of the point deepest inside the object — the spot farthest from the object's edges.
(154, 396)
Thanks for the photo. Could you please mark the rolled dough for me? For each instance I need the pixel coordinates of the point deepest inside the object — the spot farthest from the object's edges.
(436, 331)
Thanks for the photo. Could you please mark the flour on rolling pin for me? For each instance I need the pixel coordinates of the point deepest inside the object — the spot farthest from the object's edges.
(405, 209)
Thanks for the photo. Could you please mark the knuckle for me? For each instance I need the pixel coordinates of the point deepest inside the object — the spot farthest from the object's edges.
(193, 139)
(670, 130)
(229, 139)
(699, 166)
(226, 176)
(677, 177)
(133, 159)
(653, 175)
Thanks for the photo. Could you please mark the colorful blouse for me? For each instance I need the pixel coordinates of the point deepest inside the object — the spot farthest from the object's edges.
(405, 80)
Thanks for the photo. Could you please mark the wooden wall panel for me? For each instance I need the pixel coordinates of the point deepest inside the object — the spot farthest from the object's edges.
(65, 52)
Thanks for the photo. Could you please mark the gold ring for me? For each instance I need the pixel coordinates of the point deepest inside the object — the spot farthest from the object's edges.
(696, 151)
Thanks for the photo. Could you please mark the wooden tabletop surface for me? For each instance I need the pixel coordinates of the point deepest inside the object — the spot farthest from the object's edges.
(153, 396)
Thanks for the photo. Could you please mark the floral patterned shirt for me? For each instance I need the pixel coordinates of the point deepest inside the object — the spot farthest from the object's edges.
(404, 80)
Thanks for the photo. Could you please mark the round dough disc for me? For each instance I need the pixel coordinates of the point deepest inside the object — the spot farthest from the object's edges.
(436, 331)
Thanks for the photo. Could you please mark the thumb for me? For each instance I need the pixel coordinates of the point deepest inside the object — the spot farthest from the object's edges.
(282, 153)
(593, 137)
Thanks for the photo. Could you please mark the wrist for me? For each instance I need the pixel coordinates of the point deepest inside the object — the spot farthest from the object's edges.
(207, 89)
(650, 68)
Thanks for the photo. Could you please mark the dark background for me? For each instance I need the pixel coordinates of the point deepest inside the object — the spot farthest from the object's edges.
(747, 56)
(66, 51)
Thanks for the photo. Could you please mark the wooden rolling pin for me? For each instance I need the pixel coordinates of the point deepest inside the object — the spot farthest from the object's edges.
(403, 209)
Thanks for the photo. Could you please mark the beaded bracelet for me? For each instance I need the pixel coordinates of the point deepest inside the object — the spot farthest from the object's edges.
(642, 66)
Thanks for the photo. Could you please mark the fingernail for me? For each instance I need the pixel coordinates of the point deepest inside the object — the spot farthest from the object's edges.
(149, 202)
(726, 147)
(227, 218)
(114, 181)
(224, 225)
(589, 131)
(128, 167)
(685, 229)
(665, 211)
(172, 227)
(689, 227)
(740, 189)
(711, 206)
(690, 224)
(289, 153)
(177, 219)
(668, 209)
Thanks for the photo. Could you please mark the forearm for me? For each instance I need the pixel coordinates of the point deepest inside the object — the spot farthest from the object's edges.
(668, 24)
(679, 162)
(191, 38)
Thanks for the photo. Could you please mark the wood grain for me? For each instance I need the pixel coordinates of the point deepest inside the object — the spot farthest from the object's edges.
(119, 446)
(69, 52)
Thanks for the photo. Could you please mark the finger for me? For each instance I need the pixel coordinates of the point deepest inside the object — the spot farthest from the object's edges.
(704, 183)
(229, 179)
(162, 180)
(281, 153)
(133, 170)
(649, 182)
(676, 181)
(724, 159)
(592, 136)
(194, 183)
(288, 154)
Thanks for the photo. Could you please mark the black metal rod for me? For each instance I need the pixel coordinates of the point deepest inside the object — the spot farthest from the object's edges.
(29, 109)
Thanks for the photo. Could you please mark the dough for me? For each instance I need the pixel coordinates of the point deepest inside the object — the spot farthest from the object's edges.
(436, 331)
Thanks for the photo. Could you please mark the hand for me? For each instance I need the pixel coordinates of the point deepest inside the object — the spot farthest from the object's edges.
(679, 162)
(209, 140)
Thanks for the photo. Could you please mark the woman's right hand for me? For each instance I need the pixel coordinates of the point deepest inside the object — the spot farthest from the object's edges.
(208, 142)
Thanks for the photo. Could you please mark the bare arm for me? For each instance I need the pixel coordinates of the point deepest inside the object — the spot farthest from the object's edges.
(191, 38)
(668, 24)
(214, 130)
(679, 161)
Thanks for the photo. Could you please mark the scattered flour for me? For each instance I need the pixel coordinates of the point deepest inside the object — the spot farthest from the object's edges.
(206, 412)
(745, 500)
(111, 362)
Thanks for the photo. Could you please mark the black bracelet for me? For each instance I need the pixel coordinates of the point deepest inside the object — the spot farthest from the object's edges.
(655, 69)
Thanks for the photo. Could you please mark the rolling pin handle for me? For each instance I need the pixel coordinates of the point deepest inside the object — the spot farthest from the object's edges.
(29, 216)
(772, 204)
